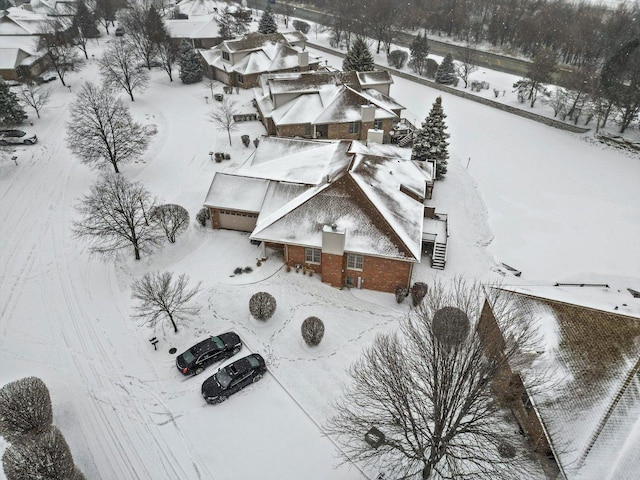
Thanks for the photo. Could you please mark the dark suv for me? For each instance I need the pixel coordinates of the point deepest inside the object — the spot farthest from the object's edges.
(208, 351)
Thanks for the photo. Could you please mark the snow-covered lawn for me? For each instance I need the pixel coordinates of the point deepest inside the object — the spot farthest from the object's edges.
(549, 203)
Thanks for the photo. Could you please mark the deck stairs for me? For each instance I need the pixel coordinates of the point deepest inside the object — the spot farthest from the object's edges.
(439, 257)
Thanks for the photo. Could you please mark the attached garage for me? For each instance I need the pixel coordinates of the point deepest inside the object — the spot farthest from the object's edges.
(235, 220)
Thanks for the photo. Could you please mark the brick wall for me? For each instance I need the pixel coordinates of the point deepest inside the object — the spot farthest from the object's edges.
(293, 131)
(332, 266)
(382, 274)
(341, 130)
(215, 218)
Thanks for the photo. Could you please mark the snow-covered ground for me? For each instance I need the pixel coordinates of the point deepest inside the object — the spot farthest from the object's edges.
(550, 203)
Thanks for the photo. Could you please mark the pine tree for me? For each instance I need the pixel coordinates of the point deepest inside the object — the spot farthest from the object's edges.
(431, 140)
(358, 58)
(190, 67)
(155, 26)
(419, 53)
(267, 22)
(85, 21)
(11, 112)
(446, 73)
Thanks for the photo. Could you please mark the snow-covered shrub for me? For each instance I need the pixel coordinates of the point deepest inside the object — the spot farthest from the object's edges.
(173, 219)
(44, 456)
(262, 306)
(401, 293)
(432, 68)
(397, 58)
(312, 331)
(25, 408)
(418, 291)
(301, 26)
(203, 215)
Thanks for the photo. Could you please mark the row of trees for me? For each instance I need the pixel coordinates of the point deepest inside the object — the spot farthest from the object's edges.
(578, 33)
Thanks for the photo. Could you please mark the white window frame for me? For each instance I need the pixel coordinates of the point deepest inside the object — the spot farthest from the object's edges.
(354, 127)
(311, 253)
(353, 259)
(377, 124)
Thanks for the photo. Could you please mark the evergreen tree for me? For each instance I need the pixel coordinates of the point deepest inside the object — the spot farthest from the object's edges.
(358, 58)
(85, 21)
(155, 26)
(431, 140)
(190, 67)
(419, 53)
(446, 72)
(11, 112)
(267, 22)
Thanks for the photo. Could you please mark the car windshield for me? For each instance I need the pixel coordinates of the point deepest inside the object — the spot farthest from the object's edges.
(224, 379)
(188, 356)
(253, 361)
(219, 343)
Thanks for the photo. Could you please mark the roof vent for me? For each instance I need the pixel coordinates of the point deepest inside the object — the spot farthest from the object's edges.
(334, 226)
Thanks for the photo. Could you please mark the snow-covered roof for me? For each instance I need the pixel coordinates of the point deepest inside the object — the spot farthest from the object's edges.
(591, 407)
(375, 77)
(192, 29)
(314, 183)
(345, 107)
(236, 192)
(27, 43)
(17, 21)
(380, 99)
(294, 37)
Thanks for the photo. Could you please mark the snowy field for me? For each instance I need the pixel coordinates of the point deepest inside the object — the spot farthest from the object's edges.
(553, 204)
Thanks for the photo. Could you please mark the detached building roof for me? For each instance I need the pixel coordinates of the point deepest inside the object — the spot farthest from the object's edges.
(591, 349)
(192, 29)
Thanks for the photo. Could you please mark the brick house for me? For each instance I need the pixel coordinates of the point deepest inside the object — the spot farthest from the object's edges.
(584, 416)
(331, 105)
(354, 214)
(240, 62)
(19, 32)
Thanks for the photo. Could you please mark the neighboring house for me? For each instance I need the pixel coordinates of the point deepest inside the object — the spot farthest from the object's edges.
(328, 105)
(19, 36)
(201, 34)
(586, 415)
(352, 213)
(240, 62)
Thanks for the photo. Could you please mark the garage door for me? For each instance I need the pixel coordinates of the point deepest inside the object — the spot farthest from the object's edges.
(232, 220)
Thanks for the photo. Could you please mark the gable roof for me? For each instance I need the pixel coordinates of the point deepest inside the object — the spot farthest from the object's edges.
(591, 410)
(302, 185)
(319, 98)
(16, 21)
(192, 29)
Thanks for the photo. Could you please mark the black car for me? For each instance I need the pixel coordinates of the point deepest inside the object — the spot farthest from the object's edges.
(211, 350)
(233, 378)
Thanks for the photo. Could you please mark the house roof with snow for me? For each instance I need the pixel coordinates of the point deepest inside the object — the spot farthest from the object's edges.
(18, 22)
(306, 184)
(192, 29)
(319, 98)
(591, 409)
(257, 53)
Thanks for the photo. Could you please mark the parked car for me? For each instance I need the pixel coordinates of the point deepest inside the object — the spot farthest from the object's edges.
(208, 351)
(119, 31)
(15, 136)
(48, 77)
(233, 378)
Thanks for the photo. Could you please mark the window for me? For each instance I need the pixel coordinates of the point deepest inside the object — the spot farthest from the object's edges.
(377, 124)
(307, 129)
(240, 78)
(354, 127)
(312, 255)
(354, 262)
(225, 55)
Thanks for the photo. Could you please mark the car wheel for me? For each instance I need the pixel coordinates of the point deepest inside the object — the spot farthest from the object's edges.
(257, 378)
(221, 398)
(28, 142)
(198, 371)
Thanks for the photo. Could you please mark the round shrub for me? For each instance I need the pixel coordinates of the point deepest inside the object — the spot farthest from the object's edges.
(203, 215)
(312, 331)
(25, 408)
(418, 291)
(397, 58)
(262, 306)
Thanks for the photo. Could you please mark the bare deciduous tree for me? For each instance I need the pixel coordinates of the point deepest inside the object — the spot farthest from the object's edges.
(168, 54)
(101, 130)
(427, 389)
(115, 217)
(119, 69)
(160, 296)
(25, 408)
(466, 64)
(41, 456)
(35, 96)
(59, 47)
(173, 219)
(262, 306)
(222, 116)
